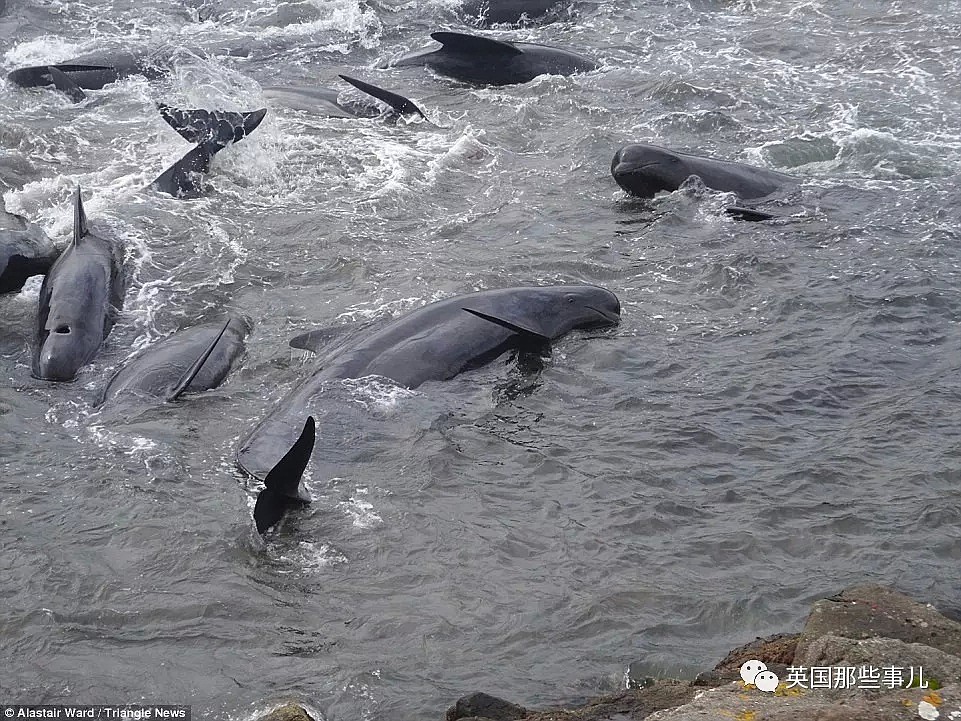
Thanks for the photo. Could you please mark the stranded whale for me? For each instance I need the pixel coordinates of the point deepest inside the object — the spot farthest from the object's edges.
(78, 300)
(88, 72)
(485, 61)
(23, 253)
(435, 342)
(644, 170)
(189, 361)
(325, 101)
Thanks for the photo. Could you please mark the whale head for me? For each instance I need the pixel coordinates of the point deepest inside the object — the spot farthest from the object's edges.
(549, 312)
(645, 170)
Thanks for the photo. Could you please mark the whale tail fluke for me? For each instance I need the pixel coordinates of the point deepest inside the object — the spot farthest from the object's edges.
(400, 104)
(282, 486)
(212, 130)
(220, 127)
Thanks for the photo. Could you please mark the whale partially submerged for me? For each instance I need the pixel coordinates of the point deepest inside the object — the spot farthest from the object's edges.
(435, 342)
(79, 299)
(485, 61)
(644, 170)
(24, 252)
(190, 361)
(327, 102)
(89, 72)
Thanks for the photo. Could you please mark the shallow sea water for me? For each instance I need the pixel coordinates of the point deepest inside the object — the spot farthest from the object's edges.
(776, 417)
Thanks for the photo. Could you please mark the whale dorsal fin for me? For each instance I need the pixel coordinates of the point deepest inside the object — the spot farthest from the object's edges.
(464, 43)
(402, 105)
(79, 218)
(741, 212)
(65, 85)
(282, 487)
(219, 126)
(315, 340)
(194, 369)
(525, 332)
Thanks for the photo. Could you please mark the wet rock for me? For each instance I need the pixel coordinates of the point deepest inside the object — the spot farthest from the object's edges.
(737, 702)
(288, 712)
(630, 705)
(485, 706)
(881, 652)
(871, 611)
(776, 649)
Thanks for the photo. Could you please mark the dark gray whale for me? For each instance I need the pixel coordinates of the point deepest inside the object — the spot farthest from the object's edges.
(88, 72)
(24, 253)
(326, 101)
(189, 361)
(212, 131)
(485, 61)
(78, 300)
(435, 342)
(644, 170)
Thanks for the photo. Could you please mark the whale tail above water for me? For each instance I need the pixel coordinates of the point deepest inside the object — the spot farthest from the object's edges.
(212, 130)
(282, 486)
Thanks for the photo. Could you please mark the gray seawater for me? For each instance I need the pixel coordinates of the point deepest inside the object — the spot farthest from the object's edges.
(776, 417)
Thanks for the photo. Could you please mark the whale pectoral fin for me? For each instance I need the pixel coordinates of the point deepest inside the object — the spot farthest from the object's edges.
(182, 179)
(282, 486)
(217, 126)
(402, 105)
(528, 334)
(739, 212)
(65, 85)
(476, 44)
(194, 369)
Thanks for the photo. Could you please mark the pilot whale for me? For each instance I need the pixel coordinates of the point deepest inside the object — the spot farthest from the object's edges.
(644, 170)
(435, 342)
(485, 61)
(23, 253)
(89, 72)
(78, 300)
(189, 361)
(326, 101)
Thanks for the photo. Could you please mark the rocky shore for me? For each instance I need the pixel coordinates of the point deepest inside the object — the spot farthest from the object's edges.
(866, 654)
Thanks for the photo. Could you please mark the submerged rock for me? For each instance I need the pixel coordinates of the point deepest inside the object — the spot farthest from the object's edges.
(288, 712)
(485, 706)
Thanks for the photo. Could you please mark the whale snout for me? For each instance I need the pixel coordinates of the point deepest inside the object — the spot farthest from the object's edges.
(62, 354)
(605, 307)
(32, 77)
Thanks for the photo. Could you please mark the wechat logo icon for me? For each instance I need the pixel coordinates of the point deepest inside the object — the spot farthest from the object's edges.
(756, 673)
